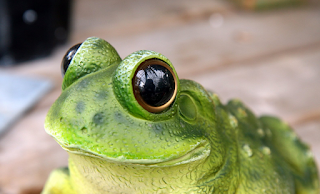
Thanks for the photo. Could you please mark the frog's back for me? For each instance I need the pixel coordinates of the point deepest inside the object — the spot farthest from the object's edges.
(272, 158)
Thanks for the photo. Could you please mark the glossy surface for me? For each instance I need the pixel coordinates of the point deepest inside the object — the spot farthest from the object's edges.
(154, 85)
(196, 145)
(68, 57)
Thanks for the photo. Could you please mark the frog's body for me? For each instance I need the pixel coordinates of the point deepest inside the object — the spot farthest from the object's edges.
(194, 145)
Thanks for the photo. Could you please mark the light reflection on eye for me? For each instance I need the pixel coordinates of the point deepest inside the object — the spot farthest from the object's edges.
(154, 85)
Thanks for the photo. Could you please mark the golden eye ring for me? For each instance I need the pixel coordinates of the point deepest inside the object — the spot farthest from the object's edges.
(154, 85)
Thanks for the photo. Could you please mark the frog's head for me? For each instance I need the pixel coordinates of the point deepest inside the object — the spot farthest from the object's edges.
(134, 110)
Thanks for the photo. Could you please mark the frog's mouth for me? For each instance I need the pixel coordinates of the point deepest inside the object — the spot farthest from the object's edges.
(199, 152)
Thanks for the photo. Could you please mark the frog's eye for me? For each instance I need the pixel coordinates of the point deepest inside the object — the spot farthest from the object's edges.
(154, 85)
(68, 57)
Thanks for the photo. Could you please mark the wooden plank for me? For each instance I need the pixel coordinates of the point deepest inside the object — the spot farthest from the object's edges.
(287, 86)
(199, 47)
(27, 153)
(207, 41)
(125, 17)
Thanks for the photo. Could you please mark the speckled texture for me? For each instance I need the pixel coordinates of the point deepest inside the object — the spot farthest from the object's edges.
(93, 54)
(123, 89)
(197, 145)
(96, 122)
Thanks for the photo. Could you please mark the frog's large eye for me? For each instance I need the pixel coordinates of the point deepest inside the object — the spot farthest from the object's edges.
(154, 85)
(68, 57)
(146, 84)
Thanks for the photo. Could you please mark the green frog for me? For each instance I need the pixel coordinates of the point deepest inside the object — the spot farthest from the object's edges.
(132, 126)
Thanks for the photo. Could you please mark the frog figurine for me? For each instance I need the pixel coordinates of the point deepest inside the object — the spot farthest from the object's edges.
(131, 126)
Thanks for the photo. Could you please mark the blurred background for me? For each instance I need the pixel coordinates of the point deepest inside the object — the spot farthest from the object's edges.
(266, 53)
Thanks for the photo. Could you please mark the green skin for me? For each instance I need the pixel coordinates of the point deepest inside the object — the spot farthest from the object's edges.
(197, 145)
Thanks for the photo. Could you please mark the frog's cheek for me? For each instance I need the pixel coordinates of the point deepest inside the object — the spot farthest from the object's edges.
(124, 87)
(187, 107)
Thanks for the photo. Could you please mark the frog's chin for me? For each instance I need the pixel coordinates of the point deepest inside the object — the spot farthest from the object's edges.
(198, 153)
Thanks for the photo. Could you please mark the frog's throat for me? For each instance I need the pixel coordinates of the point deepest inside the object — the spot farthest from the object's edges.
(200, 152)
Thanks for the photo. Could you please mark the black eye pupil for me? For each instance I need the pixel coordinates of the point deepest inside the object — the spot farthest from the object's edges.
(68, 57)
(154, 83)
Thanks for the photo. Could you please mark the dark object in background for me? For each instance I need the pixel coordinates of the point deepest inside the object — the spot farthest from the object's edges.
(30, 29)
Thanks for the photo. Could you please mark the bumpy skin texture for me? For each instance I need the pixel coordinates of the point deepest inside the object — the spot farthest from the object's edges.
(197, 145)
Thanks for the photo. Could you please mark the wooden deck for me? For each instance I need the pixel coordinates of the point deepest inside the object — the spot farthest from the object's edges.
(270, 60)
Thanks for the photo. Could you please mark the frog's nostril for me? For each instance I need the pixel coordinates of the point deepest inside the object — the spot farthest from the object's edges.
(187, 107)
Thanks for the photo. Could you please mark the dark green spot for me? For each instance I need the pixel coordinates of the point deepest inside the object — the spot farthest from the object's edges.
(157, 128)
(99, 118)
(84, 130)
(80, 107)
(83, 84)
(102, 95)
